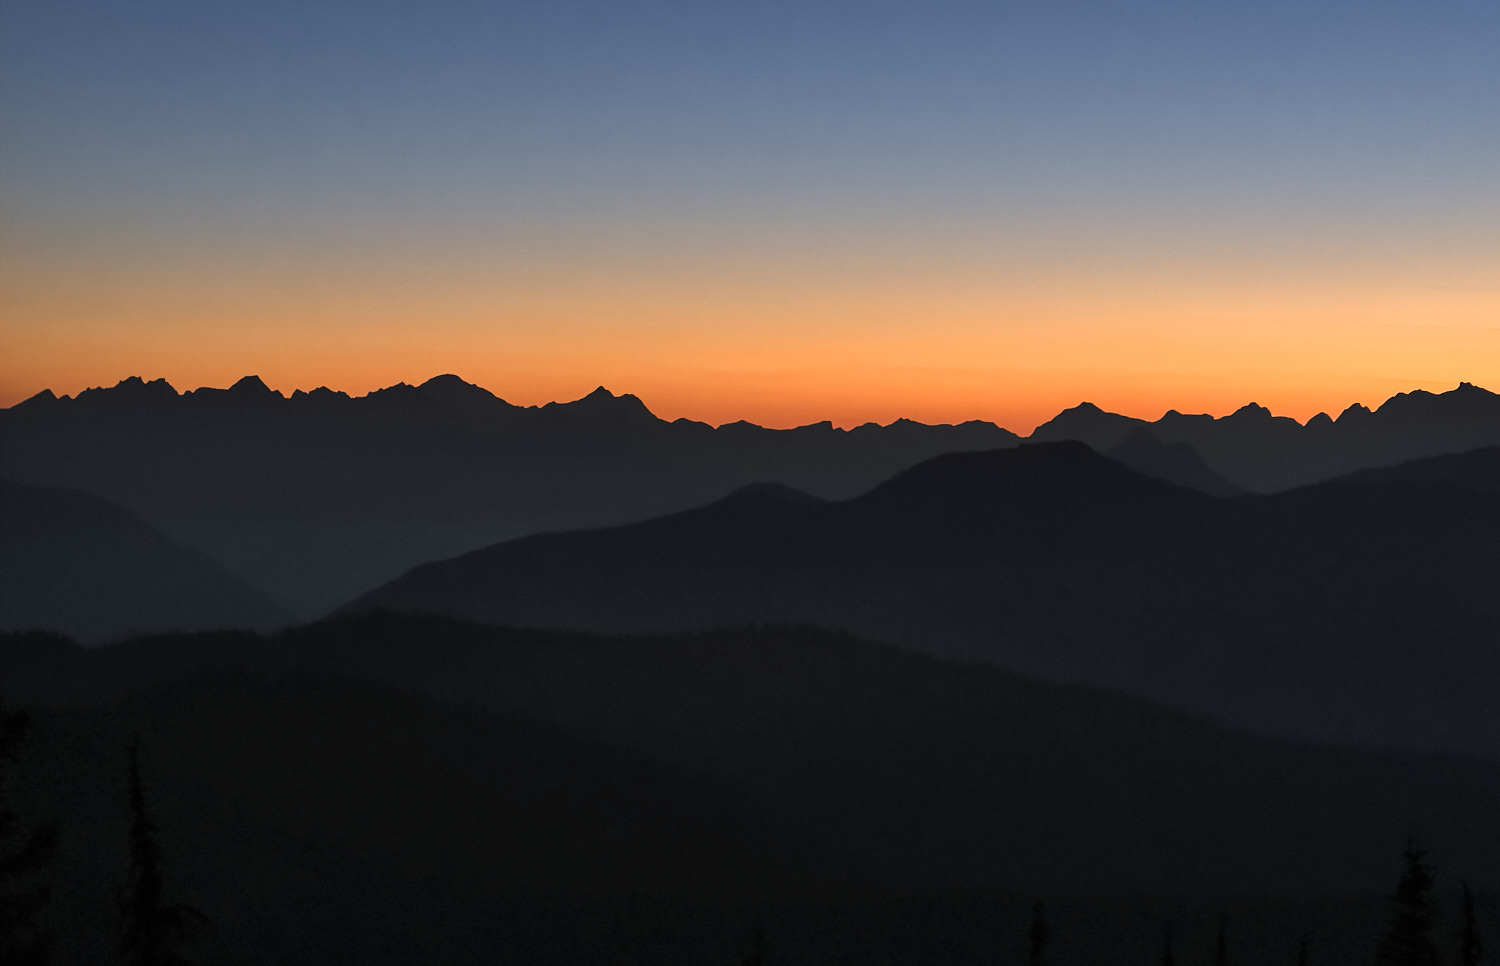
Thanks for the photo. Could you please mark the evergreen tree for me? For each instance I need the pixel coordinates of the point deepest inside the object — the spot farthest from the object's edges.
(1408, 940)
(1469, 946)
(150, 930)
(1038, 935)
(22, 942)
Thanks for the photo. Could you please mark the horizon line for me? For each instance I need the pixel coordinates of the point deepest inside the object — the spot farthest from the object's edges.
(255, 380)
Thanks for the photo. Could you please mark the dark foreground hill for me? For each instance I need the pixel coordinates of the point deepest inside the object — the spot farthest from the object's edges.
(1477, 469)
(389, 789)
(1358, 610)
(75, 563)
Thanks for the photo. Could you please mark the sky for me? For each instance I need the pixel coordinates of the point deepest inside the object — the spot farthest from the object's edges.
(782, 212)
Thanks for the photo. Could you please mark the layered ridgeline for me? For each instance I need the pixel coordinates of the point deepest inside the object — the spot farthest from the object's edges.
(318, 497)
(1360, 609)
(75, 563)
(1266, 453)
(396, 789)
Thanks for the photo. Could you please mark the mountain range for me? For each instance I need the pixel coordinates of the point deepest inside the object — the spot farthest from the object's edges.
(1362, 609)
(868, 693)
(314, 498)
(1264, 453)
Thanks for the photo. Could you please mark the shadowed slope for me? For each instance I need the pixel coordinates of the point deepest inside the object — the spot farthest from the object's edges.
(78, 564)
(919, 774)
(1342, 610)
(1477, 469)
(1174, 462)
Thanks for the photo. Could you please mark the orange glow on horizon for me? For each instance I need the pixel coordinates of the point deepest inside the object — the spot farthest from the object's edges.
(1005, 339)
(1018, 380)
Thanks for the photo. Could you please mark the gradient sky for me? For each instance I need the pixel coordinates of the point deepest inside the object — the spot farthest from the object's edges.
(776, 211)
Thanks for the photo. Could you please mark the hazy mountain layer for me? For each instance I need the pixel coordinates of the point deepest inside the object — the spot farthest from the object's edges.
(416, 790)
(1349, 610)
(318, 497)
(75, 563)
(1266, 453)
(1174, 462)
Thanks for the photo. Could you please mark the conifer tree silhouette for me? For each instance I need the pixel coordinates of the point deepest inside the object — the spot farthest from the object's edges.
(1408, 939)
(150, 930)
(1038, 935)
(1469, 946)
(22, 855)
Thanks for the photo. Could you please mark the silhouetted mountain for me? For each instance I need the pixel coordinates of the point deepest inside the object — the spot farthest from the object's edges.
(1477, 469)
(1089, 424)
(320, 496)
(1344, 610)
(417, 789)
(77, 564)
(1174, 462)
(1266, 453)
(603, 406)
(466, 397)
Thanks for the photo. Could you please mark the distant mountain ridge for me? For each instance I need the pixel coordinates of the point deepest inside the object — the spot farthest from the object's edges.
(78, 564)
(316, 497)
(1266, 453)
(1358, 610)
(319, 496)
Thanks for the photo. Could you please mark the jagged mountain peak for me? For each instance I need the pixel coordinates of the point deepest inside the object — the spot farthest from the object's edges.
(448, 380)
(1465, 397)
(1087, 423)
(248, 390)
(463, 395)
(253, 385)
(1251, 410)
(322, 393)
(134, 384)
(40, 399)
(1355, 411)
(130, 390)
(603, 404)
